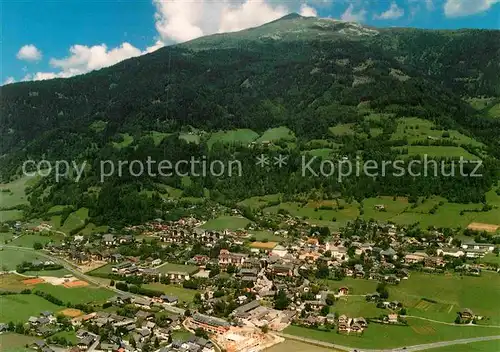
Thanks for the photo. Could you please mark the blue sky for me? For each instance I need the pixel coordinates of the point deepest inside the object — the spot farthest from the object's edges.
(43, 39)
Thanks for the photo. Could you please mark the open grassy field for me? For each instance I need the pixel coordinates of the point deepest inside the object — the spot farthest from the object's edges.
(183, 294)
(157, 137)
(277, 134)
(54, 273)
(296, 346)
(386, 336)
(13, 193)
(190, 137)
(242, 136)
(177, 267)
(415, 129)
(28, 240)
(11, 342)
(226, 223)
(10, 215)
(260, 201)
(452, 293)
(127, 140)
(19, 308)
(439, 151)
(342, 130)
(319, 152)
(76, 295)
(355, 286)
(481, 346)
(265, 235)
(12, 282)
(68, 335)
(75, 220)
(10, 258)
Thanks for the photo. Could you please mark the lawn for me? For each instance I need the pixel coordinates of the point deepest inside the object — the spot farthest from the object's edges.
(164, 268)
(226, 223)
(68, 335)
(76, 295)
(103, 270)
(239, 136)
(386, 336)
(54, 273)
(11, 342)
(277, 134)
(19, 308)
(181, 335)
(183, 294)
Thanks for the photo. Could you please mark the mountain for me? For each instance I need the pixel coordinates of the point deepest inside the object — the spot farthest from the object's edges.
(302, 73)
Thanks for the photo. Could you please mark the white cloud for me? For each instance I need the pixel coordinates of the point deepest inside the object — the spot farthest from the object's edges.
(429, 4)
(29, 52)
(458, 8)
(180, 21)
(392, 13)
(308, 11)
(9, 80)
(350, 15)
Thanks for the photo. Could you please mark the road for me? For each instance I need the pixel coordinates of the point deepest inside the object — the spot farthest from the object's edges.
(77, 273)
(452, 324)
(421, 347)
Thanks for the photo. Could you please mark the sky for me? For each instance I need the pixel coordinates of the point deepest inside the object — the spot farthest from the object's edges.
(44, 39)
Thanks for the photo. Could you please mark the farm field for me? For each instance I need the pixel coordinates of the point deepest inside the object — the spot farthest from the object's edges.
(190, 138)
(11, 342)
(239, 136)
(385, 336)
(76, 295)
(183, 294)
(166, 267)
(481, 346)
(157, 137)
(18, 308)
(226, 223)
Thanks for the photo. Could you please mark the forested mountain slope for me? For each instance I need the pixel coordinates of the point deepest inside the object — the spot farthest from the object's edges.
(306, 74)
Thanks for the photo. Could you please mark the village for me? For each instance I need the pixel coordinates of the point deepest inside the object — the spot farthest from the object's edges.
(245, 292)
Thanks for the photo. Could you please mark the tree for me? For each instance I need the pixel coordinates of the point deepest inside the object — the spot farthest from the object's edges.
(37, 246)
(382, 290)
(281, 301)
(112, 283)
(265, 329)
(325, 310)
